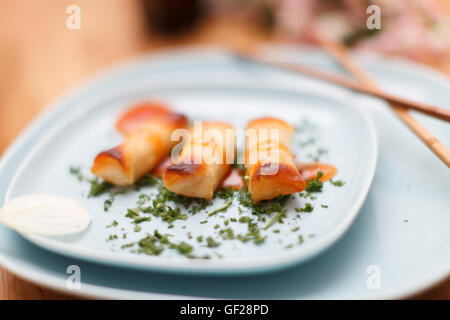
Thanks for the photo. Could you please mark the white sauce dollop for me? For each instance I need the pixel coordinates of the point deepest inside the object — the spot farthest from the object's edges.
(45, 214)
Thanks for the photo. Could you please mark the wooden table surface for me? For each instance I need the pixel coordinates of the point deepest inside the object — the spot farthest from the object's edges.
(40, 59)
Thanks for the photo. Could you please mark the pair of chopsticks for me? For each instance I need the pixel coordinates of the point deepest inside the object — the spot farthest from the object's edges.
(368, 86)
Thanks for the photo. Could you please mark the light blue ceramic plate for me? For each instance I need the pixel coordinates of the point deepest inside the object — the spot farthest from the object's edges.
(344, 132)
(403, 230)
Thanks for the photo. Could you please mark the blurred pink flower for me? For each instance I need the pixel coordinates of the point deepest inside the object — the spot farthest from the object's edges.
(414, 28)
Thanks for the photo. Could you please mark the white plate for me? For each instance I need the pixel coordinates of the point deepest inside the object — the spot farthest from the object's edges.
(338, 127)
(410, 184)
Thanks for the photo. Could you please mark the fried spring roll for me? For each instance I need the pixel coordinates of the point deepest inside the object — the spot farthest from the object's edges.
(140, 152)
(271, 166)
(203, 162)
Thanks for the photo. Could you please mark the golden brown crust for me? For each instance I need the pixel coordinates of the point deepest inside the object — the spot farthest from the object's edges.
(184, 169)
(199, 175)
(133, 118)
(271, 167)
(114, 153)
(140, 152)
(269, 122)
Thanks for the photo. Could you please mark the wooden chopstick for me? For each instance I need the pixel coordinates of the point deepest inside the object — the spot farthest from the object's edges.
(341, 54)
(433, 111)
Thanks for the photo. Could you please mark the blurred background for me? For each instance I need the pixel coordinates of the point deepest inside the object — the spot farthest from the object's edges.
(41, 58)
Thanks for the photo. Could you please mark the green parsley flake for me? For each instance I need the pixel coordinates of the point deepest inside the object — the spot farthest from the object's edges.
(337, 183)
(222, 208)
(315, 185)
(211, 243)
(113, 224)
(227, 234)
(278, 218)
(308, 208)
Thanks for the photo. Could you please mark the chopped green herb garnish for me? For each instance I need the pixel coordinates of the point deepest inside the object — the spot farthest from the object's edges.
(225, 193)
(307, 142)
(182, 247)
(227, 234)
(146, 180)
(337, 183)
(150, 245)
(142, 219)
(76, 171)
(262, 207)
(160, 206)
(316, 157)
(132, 213)
(245, 219)
(211, 243)
(112, 237)
(252, 234)
(113, 224)
(315, 185)
(156, 243)
(278, 218)
(222, 208)
(108, 203)
(99, 187)
(308, 208)
(128, 245)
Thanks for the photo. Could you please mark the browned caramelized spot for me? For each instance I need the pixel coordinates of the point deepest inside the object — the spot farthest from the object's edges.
(115, 153)
(184, 168)
(233, 180)
(177, 118)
